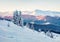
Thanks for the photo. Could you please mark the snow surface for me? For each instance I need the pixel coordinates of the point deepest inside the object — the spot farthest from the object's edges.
(46, 23)
(16, 33)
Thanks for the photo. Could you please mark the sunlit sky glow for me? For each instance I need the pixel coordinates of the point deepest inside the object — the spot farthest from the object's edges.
(11, 5)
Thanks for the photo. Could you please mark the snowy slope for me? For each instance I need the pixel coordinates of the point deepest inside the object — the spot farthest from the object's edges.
(16, 33)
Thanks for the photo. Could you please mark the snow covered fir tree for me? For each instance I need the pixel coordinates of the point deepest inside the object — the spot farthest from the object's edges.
(17, 18)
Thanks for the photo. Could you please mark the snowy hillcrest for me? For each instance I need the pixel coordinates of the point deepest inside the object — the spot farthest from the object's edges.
(14, 33)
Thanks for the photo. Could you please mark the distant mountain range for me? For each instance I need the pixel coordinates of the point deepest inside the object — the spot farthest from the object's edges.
(6, 14)
(35, 12)
(39, 17)
(53, 20)
(51, 13)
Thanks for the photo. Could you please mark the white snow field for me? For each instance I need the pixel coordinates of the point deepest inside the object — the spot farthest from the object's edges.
(14, 33)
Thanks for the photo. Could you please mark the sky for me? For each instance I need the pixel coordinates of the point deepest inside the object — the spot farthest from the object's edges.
(30, 5)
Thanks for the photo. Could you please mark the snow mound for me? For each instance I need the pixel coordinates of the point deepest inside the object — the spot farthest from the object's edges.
(15, 33)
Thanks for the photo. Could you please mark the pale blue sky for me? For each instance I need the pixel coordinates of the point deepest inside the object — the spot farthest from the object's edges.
(11, 5)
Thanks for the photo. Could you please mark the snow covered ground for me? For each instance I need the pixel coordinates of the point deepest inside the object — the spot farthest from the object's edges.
(16, 33)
